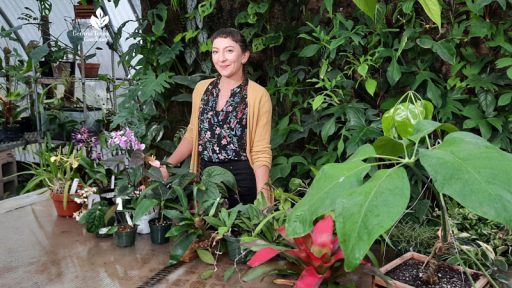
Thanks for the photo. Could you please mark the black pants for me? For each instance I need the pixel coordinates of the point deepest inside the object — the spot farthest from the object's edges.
(245, 180)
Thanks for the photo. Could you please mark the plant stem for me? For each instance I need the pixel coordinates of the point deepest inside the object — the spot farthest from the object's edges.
(444, 217)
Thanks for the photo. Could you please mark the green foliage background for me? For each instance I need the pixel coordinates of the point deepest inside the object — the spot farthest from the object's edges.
(330, 68)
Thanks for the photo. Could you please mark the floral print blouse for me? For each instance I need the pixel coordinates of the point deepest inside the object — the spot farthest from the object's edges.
(222, 134)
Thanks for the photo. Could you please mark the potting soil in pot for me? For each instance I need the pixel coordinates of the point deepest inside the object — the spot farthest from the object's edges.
(409, 273)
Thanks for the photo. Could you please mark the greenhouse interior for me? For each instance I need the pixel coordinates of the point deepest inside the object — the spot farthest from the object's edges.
(256, 143)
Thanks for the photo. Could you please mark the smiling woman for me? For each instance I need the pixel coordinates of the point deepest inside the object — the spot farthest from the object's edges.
(230, 122)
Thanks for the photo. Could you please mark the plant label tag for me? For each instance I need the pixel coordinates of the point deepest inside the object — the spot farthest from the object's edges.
(74, 185)
(91, 199)
(128, 219)
(103, 230)
(119, 203)
(112, 180)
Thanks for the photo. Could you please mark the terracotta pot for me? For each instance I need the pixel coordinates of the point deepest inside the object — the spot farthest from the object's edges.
(90, 69)
(83, 11)
(58, 202)
(480, 283)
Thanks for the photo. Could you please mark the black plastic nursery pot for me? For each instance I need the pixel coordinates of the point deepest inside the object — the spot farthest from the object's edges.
(234, 249)
(10, 133)
(158, 231)
(125, 238)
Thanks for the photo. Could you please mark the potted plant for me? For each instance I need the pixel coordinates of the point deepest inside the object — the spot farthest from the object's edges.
(12, 96)
(158, 196)
(11, 111)
(224, 224)
(84, 9)
(98, 216)
(456, 276)
(56, 171)
(76, 37)
(191, 230)
(316, 256)
(461, 165)
(94, 171)
(245, 223)
(124, 234)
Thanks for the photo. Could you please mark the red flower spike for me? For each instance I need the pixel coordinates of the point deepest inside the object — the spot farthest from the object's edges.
(262, 256)
(309, 279)
(322, 236)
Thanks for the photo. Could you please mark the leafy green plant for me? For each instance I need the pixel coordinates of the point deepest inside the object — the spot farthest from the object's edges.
(368, 201)
(55, 170)
(190, 214)
(224, 221)
(408, 236)
(471, 228)
(100, 215)
(159, 193)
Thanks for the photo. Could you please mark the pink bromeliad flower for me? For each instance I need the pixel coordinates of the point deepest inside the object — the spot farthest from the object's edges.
(317, 252)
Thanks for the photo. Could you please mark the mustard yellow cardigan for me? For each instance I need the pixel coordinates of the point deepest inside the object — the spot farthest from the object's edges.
(259, 124)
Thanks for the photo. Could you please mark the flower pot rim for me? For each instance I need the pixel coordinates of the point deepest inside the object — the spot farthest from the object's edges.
(480, 283)
(156, 222)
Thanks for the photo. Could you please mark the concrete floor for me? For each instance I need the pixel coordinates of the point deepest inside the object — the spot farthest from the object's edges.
(40, 249)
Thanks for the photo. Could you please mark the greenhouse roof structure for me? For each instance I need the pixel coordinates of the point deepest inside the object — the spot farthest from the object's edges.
(61, 17)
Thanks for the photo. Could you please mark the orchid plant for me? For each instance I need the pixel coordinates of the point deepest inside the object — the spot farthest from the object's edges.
(56, 169)
(131, 157)
(85, 139)
(318, 254)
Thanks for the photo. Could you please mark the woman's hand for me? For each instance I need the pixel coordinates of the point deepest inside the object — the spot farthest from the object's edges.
(262, 176)
(165, 173)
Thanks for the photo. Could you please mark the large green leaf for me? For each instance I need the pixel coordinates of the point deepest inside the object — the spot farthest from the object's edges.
(328, 6)
(269, 40)
(487, 101)
(394, 73)
(422, 128)
(505, 99)
(331, 183)
(368, 6)
(328, 129)
(309, 50)
(434, 93)
(217, 175)
(38, 53)
(143, 207)
(446, 50)
(388, 146)
(206, 256)
(364, 213)
(433, 10)
(206, 7)
(180, 246)
(370, 86)
(473, 172)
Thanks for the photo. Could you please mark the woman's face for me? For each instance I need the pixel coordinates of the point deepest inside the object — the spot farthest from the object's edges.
(228, 58)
